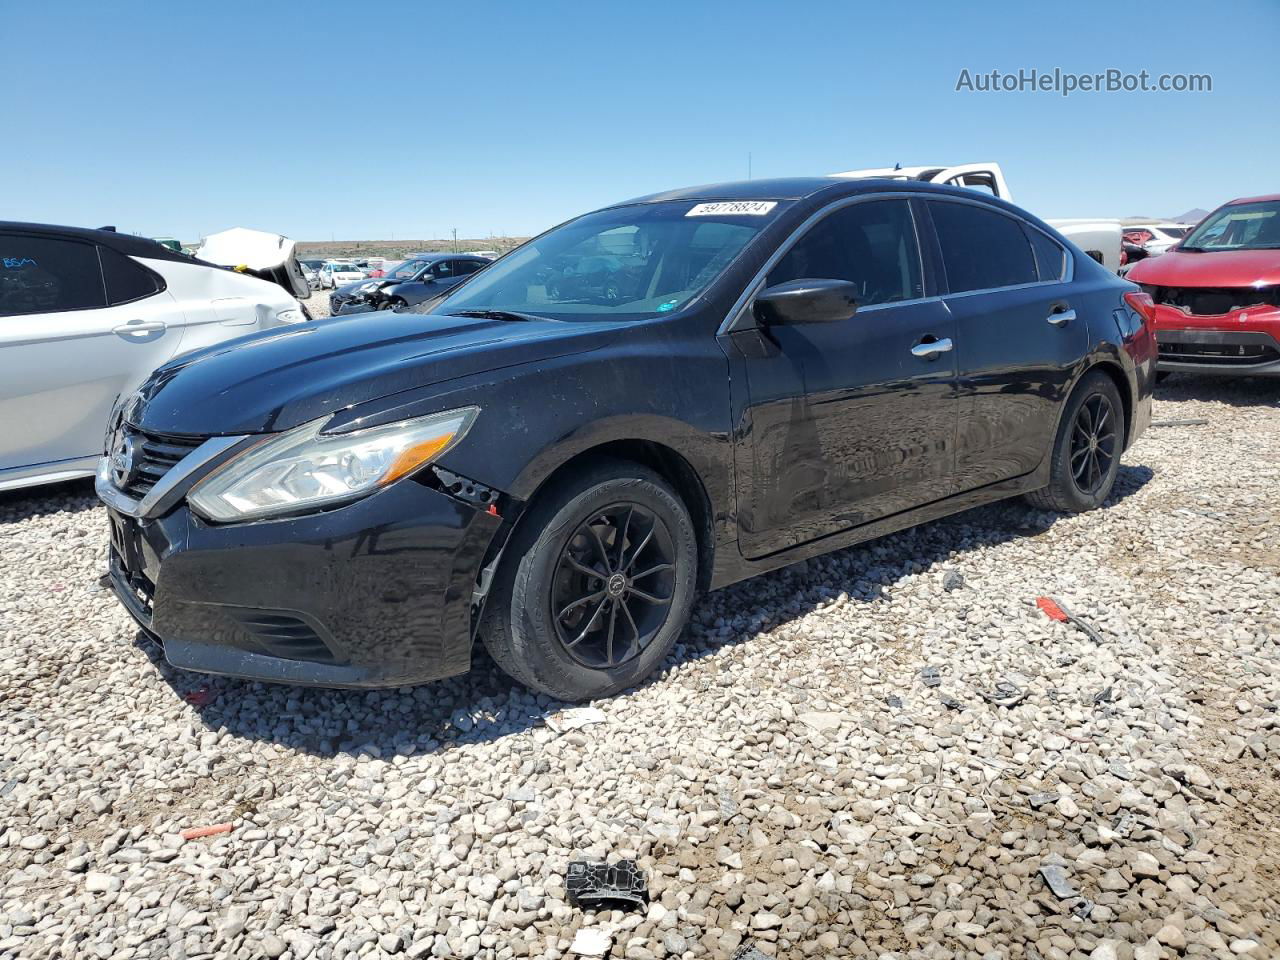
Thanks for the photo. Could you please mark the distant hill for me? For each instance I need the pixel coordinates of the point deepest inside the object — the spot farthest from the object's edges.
(1194, 215)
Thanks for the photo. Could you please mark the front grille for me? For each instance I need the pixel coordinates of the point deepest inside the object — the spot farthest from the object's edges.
(283, 634)
(154, 456)
(1213, 301)
(1224, 354)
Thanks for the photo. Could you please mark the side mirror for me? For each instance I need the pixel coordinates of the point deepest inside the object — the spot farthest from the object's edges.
(807, 301)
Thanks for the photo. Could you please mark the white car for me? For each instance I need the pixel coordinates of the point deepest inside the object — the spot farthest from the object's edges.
(86, 315)
(335, 274)
(1157, 238)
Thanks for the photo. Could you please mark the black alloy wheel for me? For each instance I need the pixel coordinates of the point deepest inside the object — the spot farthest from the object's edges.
(613, 586)
(1094, 439)
(1085, 458)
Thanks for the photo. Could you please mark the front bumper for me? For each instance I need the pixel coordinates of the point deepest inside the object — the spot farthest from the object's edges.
(377, 593)
(1239, 353)
(352, 306)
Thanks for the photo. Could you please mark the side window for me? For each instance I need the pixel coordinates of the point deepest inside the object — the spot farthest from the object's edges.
(126, 280)
(1051, 259)
(442, 268)
(46, 275)
(873, 244)
(465, 267)
(981, 248)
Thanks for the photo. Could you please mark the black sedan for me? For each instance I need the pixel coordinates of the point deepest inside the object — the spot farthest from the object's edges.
(413, 282)
(793, 366)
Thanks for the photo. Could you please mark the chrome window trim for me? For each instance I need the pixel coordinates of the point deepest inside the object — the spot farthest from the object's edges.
(173, 486)
(732, 318)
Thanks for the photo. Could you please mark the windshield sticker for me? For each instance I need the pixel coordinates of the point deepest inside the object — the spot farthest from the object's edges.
(731, 208)
(17, 263)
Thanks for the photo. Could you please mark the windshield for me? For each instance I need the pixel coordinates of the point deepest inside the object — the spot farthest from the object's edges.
(627, 263)
(406, 270)
(1239, 226)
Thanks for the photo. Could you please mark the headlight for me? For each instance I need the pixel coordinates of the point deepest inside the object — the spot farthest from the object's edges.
(304, 469)
(290, 316)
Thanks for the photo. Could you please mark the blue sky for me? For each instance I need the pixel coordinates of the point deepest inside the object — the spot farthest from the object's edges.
(408, 120)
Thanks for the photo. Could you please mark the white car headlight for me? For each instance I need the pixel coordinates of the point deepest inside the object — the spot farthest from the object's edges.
(290, 315)
(304, 469)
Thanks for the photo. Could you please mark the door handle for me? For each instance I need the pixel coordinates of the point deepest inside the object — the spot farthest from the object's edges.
(1061, 316)
(139, 326)
(932, 348)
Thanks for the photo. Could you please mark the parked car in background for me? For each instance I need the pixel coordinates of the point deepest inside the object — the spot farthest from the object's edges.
(85, 315)
(337, 273)
(312, 278)
(382, 269)
(807, 364)
(412, 283)
(1100, 238)
(1217, 293)
(1156, 238)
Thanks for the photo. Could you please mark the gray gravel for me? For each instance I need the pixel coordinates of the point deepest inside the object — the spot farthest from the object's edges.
(789, 781)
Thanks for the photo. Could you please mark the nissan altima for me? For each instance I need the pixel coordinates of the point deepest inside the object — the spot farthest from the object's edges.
(790, 368)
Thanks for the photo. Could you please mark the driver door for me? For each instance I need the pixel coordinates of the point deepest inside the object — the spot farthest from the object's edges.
(849, 421)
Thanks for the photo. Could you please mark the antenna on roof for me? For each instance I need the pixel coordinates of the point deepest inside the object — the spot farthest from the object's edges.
(897, 166)
(108, 229)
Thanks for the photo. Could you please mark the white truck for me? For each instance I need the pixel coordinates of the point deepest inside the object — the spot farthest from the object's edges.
(1100, 238)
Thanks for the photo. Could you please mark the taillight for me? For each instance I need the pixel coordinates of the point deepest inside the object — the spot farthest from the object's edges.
(1141, 303)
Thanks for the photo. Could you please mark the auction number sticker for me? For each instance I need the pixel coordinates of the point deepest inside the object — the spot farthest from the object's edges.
(733, 208)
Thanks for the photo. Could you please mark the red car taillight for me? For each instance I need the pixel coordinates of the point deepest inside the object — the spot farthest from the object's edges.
(1141, 304)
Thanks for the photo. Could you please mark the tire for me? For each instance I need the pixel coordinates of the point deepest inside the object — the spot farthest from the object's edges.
(1067, 492)
(538, 579)
(395, 304)
(1162, 376)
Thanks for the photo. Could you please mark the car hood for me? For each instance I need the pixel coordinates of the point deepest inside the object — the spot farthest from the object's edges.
(349, 288)
(279, 379)
(1225, 268)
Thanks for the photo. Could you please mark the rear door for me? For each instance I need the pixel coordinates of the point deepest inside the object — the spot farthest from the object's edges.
(79, 324)
(1018, 340)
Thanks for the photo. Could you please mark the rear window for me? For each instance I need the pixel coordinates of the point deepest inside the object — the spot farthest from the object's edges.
(1051, 258)
(48, 275)
(126, 280)
(981, 249)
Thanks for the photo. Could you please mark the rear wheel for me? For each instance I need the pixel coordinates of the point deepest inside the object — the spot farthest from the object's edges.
(597, 585)
(1086, 451)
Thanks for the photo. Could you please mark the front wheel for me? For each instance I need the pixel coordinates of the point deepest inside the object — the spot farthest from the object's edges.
(394, 304)
(1086, 451)
(597, 583)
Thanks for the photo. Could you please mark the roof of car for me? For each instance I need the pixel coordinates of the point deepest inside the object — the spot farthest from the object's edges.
(441, 256)
(797, 188)
(1264, 199)
(123, 242)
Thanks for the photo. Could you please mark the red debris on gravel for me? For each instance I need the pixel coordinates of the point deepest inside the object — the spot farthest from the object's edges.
(194, 833)
(1051, 609)
(200, 698)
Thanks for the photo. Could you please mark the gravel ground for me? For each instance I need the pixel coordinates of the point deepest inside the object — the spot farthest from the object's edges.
(790, 780)
(318, 303)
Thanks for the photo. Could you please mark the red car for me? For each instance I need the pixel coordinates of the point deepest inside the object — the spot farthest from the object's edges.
(1217, 293)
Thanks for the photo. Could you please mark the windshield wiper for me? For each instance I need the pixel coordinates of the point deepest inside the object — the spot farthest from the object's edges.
(497, 315)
